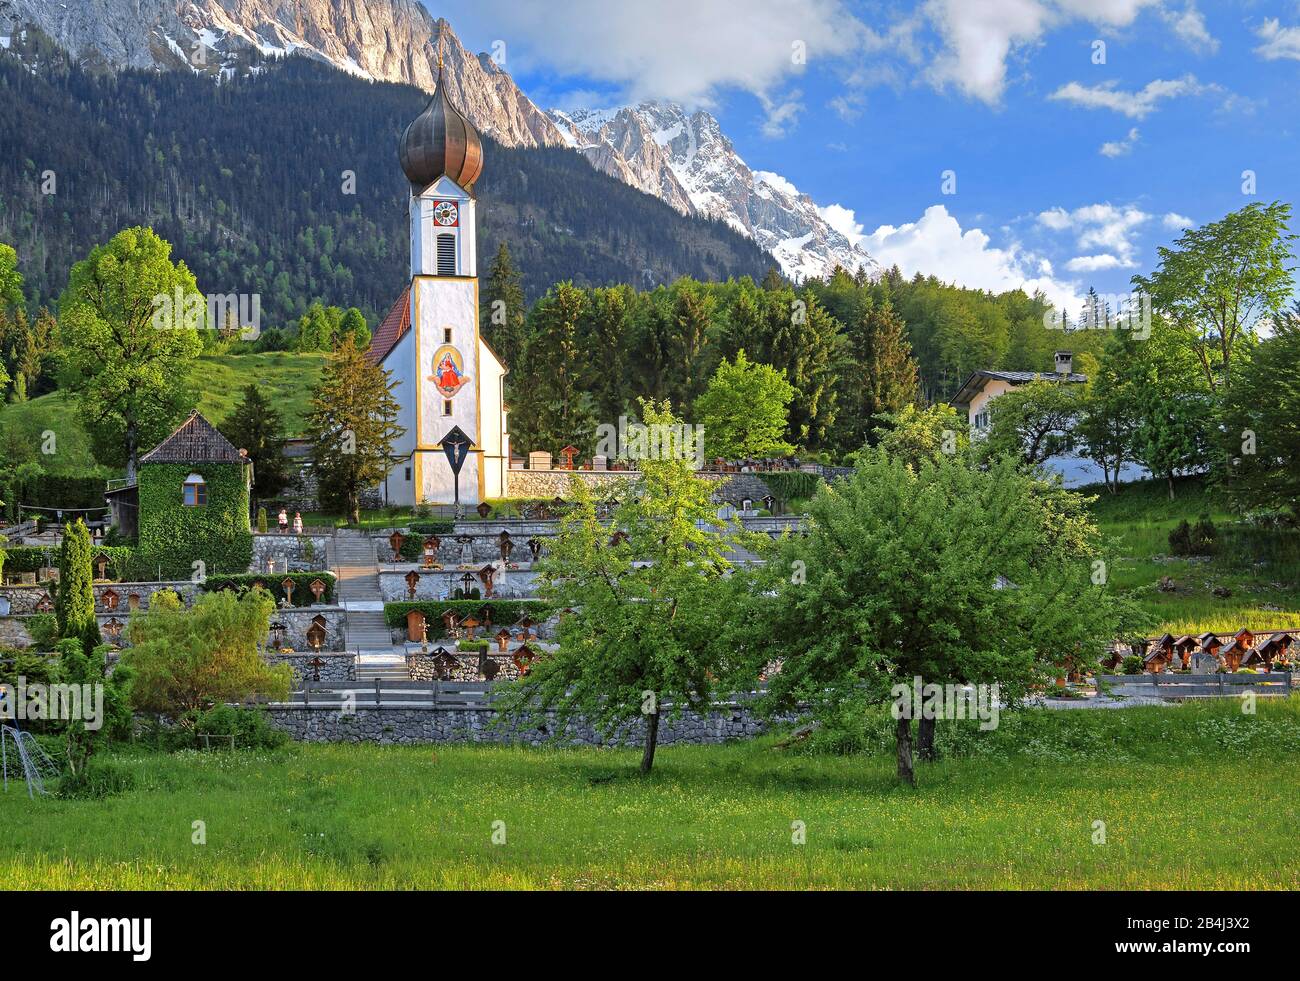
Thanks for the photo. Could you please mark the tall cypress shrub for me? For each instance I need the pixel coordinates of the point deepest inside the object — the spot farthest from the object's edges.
(75, 600)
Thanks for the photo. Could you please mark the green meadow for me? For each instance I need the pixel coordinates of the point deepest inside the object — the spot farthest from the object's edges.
(1259, 568)
(1195, 796)
(285, 378)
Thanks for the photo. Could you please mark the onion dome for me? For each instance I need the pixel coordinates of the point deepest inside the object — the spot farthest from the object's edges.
(441, 141)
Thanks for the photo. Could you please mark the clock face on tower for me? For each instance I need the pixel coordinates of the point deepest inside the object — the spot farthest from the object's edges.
(446, 213)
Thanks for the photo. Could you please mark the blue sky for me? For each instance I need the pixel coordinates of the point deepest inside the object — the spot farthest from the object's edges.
(1081, 133)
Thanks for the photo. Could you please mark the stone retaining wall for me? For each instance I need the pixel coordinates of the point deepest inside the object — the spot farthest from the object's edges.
(337, 667)
(307, 552)
(23, 600)
(423, 667)
(324, 724)
(297, 621)
(555, 483)
(438, 584)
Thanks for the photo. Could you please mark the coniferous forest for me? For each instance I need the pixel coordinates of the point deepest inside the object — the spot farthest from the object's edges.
(285, 183)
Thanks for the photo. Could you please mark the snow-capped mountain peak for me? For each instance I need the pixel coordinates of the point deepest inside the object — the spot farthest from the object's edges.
(682, 158)
(685, 159)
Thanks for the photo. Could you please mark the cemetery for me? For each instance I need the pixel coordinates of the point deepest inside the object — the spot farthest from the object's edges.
(661, 663)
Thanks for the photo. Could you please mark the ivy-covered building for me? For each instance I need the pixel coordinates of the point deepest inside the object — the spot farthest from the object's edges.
(193, 503)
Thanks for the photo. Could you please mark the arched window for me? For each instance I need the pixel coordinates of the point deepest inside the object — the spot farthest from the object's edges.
(194, 492)
(446, 254)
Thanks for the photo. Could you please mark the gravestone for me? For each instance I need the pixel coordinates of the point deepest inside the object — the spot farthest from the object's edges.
(599, 462)
(539, 460)
(1203, 663)
(415, 626)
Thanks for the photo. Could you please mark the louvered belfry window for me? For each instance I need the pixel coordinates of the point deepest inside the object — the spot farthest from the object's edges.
(446, 255)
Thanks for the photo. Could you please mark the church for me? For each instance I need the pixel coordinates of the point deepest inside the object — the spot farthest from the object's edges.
(449, 381)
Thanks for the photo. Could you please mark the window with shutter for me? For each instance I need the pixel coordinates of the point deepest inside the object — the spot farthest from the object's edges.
(446, 255)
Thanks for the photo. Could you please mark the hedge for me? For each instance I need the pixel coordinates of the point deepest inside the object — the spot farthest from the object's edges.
(302, 594)
(432, 527)
(173, 536)
(505, 613)
(791, 485)
(123, 564)
(47, 490)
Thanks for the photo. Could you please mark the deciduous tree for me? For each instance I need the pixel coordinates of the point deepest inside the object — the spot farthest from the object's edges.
(1220, 281)
(648, 613)
(185, 660)
(1262, 424)
(946, 572)
(745, 410)
(127, 359)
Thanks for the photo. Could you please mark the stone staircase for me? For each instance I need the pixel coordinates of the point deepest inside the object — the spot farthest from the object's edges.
(384, 667)
(358, 591)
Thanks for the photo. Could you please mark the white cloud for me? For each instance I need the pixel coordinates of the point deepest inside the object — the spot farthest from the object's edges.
(1093, 263)
(777, 181)
(1279, 41)
(1176, 222)
(781, 115)
(843, 220)
(1189, 25)
(936, 244)
(1135, 105)
(1118, 148)
(980, 35)
(676, 50)
(1103, 230)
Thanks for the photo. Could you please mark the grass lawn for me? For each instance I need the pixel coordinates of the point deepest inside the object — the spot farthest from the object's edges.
(286, 379)
(1197, 796)
(1261, 569)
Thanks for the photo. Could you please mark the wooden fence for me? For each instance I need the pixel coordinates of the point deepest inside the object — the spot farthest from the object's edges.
(382, 693)
(1173, 686)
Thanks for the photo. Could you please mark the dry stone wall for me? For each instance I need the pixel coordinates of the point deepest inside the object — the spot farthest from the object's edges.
(325, 724)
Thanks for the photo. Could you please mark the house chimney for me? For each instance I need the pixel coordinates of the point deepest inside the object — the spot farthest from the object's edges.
(1064, 362)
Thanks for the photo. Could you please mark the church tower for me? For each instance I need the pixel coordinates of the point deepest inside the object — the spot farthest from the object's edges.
(448, 378)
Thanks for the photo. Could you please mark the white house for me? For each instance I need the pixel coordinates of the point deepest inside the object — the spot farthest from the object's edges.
(983, 386)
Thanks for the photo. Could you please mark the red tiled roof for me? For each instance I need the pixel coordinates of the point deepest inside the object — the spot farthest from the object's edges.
(391, 329)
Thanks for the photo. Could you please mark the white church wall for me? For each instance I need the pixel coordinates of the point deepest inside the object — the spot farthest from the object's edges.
(442, 306)
(399, 490)
(495, 456)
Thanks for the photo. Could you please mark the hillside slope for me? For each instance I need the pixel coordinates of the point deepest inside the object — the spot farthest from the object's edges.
(286, 184)
(285, 378)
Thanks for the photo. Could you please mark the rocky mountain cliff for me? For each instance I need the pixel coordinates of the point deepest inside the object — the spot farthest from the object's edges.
(681, 158)
(383, 40)
(685, 159)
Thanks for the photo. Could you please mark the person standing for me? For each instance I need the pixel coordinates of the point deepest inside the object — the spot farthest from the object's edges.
(297, 522)
(283, 521)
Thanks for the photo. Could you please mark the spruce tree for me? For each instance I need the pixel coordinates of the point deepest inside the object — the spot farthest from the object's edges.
(559, 409)
(885, 378)
(352, 425)
(503, 309)
(74, 606)
(257, 426)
